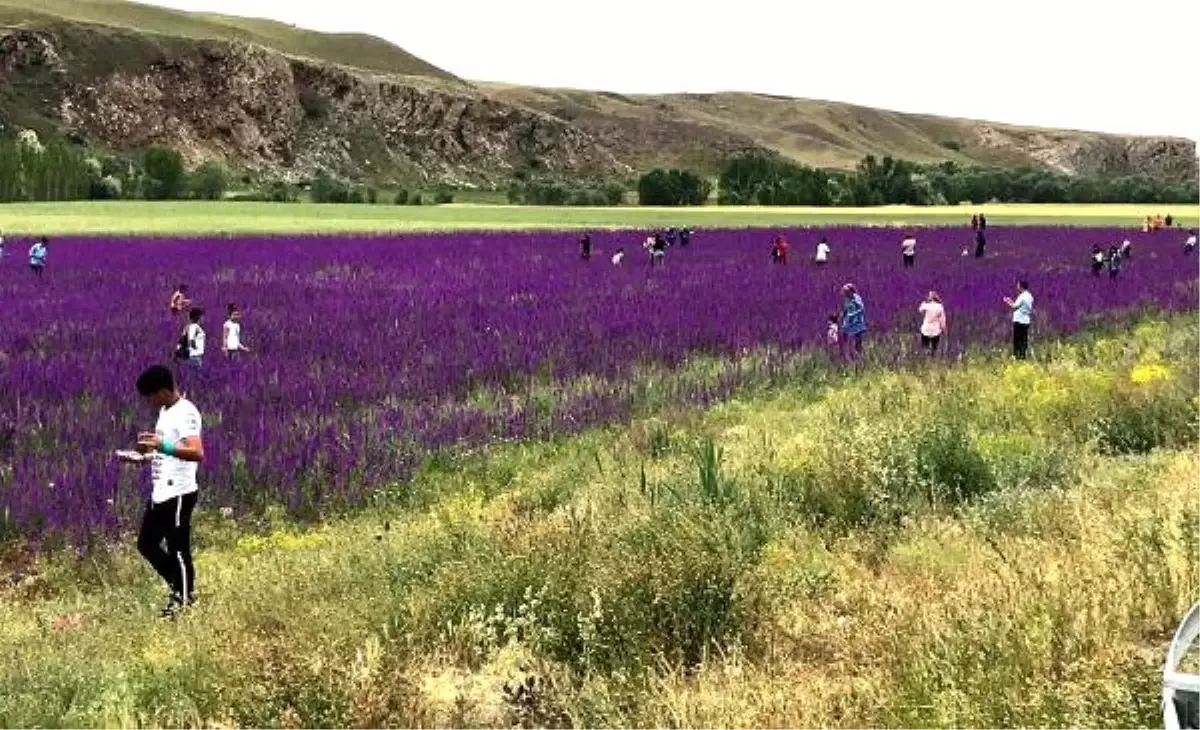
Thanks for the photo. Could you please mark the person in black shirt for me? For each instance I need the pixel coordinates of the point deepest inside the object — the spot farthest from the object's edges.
(1097, 260)
(585, 246)
(658, 250)
(982, 221)
(685, 236)
(671, 232)
(980, 243)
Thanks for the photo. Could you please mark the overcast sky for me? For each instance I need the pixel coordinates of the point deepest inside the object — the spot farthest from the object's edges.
(1110, 66)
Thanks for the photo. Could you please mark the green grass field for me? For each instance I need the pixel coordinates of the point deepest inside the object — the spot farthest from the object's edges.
(195, 218)
(974, 546)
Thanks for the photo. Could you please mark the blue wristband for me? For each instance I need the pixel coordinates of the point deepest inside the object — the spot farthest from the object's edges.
(167, 447)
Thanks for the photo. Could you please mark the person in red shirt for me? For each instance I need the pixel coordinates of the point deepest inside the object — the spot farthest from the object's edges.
(780, 252)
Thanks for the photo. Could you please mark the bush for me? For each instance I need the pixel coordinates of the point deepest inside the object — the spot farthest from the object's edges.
(415, 199)
(372, 195)
(165, 177)
(209, 181)
(673, 188)
(107, 188)
(401, 197)
(443, 196)
(328, 189)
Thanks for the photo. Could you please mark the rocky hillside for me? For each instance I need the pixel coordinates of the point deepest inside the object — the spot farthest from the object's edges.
(282, 102)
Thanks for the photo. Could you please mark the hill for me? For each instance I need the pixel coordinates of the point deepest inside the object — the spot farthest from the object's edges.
(282, 101)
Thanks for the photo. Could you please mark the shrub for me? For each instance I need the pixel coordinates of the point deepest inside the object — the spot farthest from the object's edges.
(401, 197)
(165, 177)
(209, 180)
(107, 188)
(673, 188)
(443, 196)
(372, 195)
(416, 199)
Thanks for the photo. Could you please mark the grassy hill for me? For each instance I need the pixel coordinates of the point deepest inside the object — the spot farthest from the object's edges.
(611, 133)
(358, 50)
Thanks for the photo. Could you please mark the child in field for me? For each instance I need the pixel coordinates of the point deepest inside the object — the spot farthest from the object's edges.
(1190, 244)
(823, 251)
(37, 256)
(191, 343)
(231, 334)
(685, 236)
(179, 300)
(908, 251)
(618, 257)
(832, 335)
(1126, 249)
(933, 324)
(780, 252)
(1097, 260)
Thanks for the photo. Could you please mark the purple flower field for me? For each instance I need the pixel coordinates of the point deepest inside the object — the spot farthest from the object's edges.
(371, 352)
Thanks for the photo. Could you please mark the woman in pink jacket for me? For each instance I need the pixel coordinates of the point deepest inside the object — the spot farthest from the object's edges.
(933, 326)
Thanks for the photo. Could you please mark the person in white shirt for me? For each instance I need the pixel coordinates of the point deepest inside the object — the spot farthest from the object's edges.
(618, 257)
(933, 323)
(908, 249)
(822, 251)
(191, 342)
(231, 334)
(1022, 317)
(1190, 244)
(174, 451)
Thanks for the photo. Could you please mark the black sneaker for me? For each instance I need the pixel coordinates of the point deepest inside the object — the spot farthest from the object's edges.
(175, 606)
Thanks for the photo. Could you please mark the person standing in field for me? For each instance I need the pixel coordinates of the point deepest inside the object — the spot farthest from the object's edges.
(908, 251)
(37, 256)
(982, 222)
(854, 320)
(779, 253)
(1190, 244)
(191, 342)
(1097, 260)
(933, 324)
(1, 244)
(1022, 318)
(685, 236)
(671, 233)
(831, 335)
(1126, 249)
(1114, 262)
(658, 250)
(975, 222)
(822, 251)
(179, 300)
(1169, 220)
(618, 257)
(175, 451)
(231, 334)
(585, 246)
(980, 243)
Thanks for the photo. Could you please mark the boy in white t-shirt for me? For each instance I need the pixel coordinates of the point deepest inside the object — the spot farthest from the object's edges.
(175, 450)
(193, 338)
(822, 251)
(231, 334)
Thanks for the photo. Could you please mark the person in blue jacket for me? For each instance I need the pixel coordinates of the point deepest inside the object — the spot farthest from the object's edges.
(854, 320)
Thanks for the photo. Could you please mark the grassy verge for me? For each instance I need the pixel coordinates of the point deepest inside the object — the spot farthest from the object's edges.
(199, 218)
(996, 544)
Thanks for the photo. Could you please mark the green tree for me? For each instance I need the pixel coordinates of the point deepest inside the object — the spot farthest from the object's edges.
(165, 177)
(209, 181)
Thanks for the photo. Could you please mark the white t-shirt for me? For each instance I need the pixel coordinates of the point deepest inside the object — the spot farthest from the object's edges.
(195, 336)
(617, 257)
(173, 477)
(233, 335)
(934, 313)
(909, 246)
(1023, 308)
(1191, 241)
(822, 251)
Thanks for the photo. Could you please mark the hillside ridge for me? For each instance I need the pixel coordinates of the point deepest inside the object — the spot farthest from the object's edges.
(280, 101)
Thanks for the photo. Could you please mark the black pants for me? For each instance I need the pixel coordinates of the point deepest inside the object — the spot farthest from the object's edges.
(909, 261)
(978, 251)
(1020, 340)
(930, 344)
(170, 521)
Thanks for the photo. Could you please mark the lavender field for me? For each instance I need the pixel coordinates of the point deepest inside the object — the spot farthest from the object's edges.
(370, 353)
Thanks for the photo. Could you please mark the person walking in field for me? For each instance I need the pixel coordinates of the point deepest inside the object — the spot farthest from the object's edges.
(231, 334)
(980, 243)
(933, 323)
(618, 257)
(854, 321)
(1022, 318)
(179, 300)
(173, 450)
(1097, 260)
(982, 222)
(191, 343)
(1126, 249)
(658, 250)
(822, 251)
(1114, 262)
(908, 251)
(1190, 244)
(685, 236)
(585, 246)
(37, 256)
